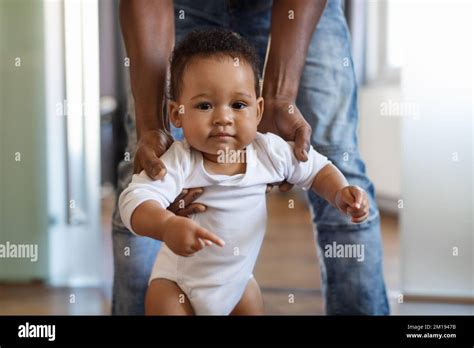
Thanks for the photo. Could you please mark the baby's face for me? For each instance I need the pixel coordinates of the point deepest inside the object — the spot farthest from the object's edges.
(217, 108)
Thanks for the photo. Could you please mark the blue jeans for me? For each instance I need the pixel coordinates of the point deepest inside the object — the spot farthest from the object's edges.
(327, 98)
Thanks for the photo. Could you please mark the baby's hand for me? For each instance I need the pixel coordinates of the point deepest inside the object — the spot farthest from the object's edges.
(185, 237)
(352, 200)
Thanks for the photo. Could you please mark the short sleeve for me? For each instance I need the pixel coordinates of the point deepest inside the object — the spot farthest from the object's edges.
(163, 191)
(301, 174)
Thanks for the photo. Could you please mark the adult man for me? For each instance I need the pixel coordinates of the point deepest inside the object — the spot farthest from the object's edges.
(310, 95)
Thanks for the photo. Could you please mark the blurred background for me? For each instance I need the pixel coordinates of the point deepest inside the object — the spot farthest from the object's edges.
(63, 103)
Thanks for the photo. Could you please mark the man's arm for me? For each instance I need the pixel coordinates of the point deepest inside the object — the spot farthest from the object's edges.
(293, 25)
(148, 32)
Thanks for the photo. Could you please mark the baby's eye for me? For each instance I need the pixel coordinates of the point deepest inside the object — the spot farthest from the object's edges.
(239, 106)
(204, 106)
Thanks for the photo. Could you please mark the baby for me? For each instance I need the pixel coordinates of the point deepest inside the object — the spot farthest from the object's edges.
(215, 99)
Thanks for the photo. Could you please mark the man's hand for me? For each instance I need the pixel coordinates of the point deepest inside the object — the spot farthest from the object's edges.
(183, 204)
(283, 118)
(185, 237)
(283, 186)
(352, 200)
(151, 146)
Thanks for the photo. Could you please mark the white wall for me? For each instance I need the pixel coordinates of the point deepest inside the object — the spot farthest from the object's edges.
(73, 164)
(437, 158)
(380, 142)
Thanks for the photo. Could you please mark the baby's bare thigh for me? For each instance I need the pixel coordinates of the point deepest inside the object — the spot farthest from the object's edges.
(165, 297)
(251, 302)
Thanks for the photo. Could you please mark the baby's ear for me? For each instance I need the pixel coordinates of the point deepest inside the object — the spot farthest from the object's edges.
(260, 107)
(175, 111)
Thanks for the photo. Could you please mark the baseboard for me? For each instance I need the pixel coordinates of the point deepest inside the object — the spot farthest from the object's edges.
(438, 298)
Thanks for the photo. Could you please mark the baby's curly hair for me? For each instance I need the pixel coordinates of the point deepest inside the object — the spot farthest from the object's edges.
(206, 43)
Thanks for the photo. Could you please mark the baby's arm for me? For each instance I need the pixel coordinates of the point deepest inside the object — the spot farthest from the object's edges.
(318, 173)
(182, 235)
(331, 185)
(143, 207)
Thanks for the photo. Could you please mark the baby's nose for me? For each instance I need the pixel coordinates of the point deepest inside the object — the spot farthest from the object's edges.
(222, 118)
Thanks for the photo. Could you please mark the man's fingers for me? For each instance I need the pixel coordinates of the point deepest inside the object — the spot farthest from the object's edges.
(178, 202)
(183, 205)
(151, 146)
(285, 186)
(205, 234)
(165, 140)
(192, 195)
(137, 167)
(269, 188)
(153, 166)
(194, 208)
(302, 137)
(181, 195)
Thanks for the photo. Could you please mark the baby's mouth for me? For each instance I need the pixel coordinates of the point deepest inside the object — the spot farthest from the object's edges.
(221, 135)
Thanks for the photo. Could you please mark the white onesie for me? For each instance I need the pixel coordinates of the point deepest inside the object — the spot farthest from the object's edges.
(215, 278)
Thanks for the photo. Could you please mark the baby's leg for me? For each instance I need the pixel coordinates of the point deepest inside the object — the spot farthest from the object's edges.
(251, 302)
(165, 297)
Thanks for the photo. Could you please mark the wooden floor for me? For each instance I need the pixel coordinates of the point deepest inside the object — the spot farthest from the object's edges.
(287, 270)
